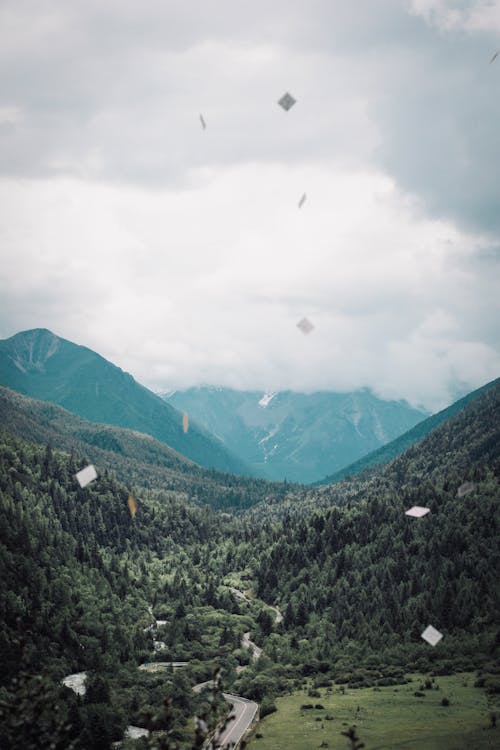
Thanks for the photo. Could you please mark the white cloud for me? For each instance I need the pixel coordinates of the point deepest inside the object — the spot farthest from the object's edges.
(207, 284)
(180, 254)
(450, 15)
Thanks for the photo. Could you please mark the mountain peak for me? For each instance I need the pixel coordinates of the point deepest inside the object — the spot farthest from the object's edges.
(30, 350)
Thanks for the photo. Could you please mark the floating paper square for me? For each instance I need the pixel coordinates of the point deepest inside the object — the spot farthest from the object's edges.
(86, 475)
(132, 506)
(305, 325)
(465, 489)
(431, 635)
(185, 422)
(302, 200)
(203, 123)
(287, 101)
(417, 511)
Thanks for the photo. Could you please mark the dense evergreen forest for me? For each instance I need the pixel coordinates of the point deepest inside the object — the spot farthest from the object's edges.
(357, 581)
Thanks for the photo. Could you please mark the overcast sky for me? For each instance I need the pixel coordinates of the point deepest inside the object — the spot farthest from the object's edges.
(180, 253)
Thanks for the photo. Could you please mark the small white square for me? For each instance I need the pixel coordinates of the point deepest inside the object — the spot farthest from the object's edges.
(86, 475)
(465, 489)
(302, 200)
(417, 511)
(431, 635)
(305, 325)
(287, 101)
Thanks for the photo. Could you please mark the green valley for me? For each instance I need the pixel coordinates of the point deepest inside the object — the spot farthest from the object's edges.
(327, 587)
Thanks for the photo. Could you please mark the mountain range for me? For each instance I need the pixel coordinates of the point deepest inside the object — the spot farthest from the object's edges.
(300, 437)
(286, 436)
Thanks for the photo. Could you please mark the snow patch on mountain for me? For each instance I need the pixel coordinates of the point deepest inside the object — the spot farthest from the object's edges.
(268, 437)
(266, 399)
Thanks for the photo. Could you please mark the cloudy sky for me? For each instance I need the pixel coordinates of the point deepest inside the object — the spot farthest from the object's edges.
(180, 253)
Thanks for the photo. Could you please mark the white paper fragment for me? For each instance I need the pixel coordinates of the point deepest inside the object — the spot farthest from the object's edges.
(135, 732)
(287, 101)
(302, 200)
(417, 511)
(76, 682)
(203, 123)
(431, 635)
(86, 475)
(305, 326)
(465, 489)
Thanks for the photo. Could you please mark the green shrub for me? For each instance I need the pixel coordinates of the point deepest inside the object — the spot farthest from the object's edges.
(267, 707)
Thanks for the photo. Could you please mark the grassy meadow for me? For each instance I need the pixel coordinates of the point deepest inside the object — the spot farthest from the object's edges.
(387, 717)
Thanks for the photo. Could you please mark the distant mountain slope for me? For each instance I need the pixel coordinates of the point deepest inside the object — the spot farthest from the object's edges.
(401, 443)
(39, 364)
(297, 436)
(135, 458)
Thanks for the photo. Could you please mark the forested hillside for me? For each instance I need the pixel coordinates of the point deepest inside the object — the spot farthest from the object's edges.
(356, 580)
(134, 457)
(78, 575)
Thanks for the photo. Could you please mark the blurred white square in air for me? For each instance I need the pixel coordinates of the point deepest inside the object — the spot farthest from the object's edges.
(417, 511)
(431, 635)
(287, 101)
(86, 475)
(465, 489)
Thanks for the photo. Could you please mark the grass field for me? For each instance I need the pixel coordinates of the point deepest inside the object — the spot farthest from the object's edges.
(389, 717)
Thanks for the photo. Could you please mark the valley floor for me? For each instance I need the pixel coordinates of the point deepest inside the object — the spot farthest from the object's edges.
(388, 718)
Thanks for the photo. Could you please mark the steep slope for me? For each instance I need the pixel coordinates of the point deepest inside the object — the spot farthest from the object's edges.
(77, 576)
(400, 444)
(39, 364)
(297, 436)
(135, 458)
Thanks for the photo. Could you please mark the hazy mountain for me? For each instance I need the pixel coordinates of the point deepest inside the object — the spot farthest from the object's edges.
(47, 367)
(401, 443)
(297, 436)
